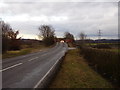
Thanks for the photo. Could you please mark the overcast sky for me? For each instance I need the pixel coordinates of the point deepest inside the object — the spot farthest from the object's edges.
(75, 17)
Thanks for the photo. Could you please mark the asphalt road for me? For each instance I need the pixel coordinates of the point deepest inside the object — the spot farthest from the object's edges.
(28, 71)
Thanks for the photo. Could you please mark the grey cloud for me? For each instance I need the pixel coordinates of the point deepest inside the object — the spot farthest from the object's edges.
(61, 1)
(81, 16)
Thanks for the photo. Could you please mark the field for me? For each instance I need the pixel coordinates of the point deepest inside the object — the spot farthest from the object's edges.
(115, 50)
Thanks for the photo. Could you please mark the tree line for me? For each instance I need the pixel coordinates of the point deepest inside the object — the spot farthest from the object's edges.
(9, 37)
(10, 40)
(46, 32)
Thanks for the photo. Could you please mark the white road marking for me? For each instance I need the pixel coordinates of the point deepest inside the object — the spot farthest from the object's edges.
(24, 56)
(11, 67)
(33, 59)
(46, 74)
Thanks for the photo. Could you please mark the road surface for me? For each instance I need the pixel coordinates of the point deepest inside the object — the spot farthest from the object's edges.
(28, 71)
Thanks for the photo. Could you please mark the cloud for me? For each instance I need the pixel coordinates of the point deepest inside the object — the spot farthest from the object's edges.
(74, 17)
(42, 18)
(61, 1)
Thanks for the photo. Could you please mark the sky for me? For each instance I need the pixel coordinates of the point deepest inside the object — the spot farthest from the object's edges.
(73, 16)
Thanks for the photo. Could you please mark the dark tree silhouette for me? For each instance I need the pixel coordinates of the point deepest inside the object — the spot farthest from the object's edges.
(47, 33)
(9, 37)
(82, 36)
(5, 40)
(69, 36)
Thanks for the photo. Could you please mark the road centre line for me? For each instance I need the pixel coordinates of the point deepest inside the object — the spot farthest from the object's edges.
(24, 56)
(16, 65)
(10, 67)
(33, 59)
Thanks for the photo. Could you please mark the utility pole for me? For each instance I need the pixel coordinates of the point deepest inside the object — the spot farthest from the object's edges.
(99, 34)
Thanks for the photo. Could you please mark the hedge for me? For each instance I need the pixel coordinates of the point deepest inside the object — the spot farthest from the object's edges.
(107, 63)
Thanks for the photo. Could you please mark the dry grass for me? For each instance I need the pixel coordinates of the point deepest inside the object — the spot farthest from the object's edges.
(24, 51)
(75, 73)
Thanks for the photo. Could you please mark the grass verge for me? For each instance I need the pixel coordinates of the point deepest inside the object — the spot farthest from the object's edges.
(75, 73)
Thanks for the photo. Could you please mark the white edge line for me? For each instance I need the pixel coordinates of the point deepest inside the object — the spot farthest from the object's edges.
(33, 59)
(11, 67)
(46, 74)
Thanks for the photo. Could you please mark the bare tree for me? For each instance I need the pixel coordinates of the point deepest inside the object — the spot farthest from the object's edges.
(9, 37)
(82, 36)
(68, 35)
(5, 40)
(47, 33)
(13, 34)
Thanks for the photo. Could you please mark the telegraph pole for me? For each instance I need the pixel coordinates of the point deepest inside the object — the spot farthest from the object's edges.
(99, 34)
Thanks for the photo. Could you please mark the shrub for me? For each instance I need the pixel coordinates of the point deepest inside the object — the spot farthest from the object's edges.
(15, 44)
(104, 61)
(48, 41)
(5, 44)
